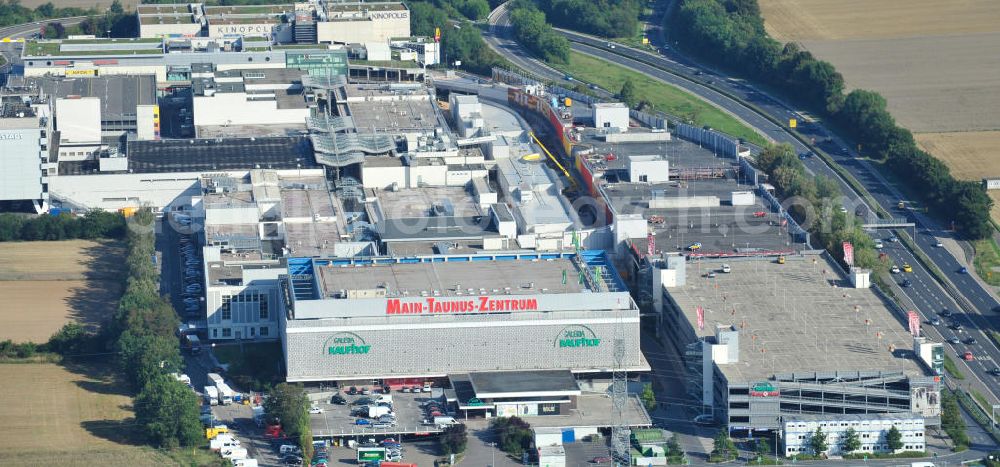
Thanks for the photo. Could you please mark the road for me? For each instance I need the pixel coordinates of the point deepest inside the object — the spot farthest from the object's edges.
(732, 95)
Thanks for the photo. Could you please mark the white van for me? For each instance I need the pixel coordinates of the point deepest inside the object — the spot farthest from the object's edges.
(444, 421)
(289, 449)
(726, 269)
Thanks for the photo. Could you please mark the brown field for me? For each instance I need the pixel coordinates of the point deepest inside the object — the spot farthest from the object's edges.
(58, 416)
(99, 4)
(970, 156)
(930, 59)
(47, 284)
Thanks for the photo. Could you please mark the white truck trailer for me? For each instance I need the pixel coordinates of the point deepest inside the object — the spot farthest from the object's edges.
(226, 393)
(211, 395)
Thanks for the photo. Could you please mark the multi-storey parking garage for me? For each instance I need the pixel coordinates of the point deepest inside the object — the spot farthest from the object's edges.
(756, 351)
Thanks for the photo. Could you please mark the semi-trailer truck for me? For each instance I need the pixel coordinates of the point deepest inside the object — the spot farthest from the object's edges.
(215, 379)
(211, 395)
(226, 393)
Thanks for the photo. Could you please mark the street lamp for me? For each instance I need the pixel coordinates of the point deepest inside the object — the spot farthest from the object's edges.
(493, 454)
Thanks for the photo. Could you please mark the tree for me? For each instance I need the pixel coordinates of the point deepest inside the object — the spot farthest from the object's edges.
(648, 397)
(71, 339)
(817, 442)
(723, 446)
(628, 93)
(142, 357)
(288, 404)
(673, 446)
(167, 411)
(850, 442)
(513, 433)
(453, 440)
(894, 438)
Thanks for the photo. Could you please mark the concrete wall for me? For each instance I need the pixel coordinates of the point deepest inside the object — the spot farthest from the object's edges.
(79, 120)
(418, 346)
(147, 122)
(684, 202)
(161, 30)
(380, 30)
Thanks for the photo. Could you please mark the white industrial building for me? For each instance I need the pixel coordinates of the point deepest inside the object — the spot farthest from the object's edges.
(24, 144)
(611, 115)
(363, 22)
(265, 97)
(872, 431)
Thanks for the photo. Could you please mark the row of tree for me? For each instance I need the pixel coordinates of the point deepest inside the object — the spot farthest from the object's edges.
(288, 405)
(952, 422)
(12, 12)
(535, 34)
(816, 206)
(461, 40)
(65, 226)
(143, 332)
(607, 18)
(731, 34)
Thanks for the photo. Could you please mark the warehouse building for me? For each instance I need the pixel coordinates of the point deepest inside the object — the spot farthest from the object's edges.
(871, 429)
(261, 101)
(428, 317)
(363, 22)
(756, 355)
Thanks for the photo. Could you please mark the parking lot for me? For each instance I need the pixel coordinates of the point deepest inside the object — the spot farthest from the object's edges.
(336, 421)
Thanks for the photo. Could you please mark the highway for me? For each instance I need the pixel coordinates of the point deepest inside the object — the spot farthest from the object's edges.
(925, 294)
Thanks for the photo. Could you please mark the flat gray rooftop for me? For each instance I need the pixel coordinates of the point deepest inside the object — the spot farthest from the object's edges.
(119, 94)
(395, 116)
(498, 119)
(431, 247)
(419, 202)
(498, 382)
(720, 229)
(455, 278)
(678, 152)
(794, 317)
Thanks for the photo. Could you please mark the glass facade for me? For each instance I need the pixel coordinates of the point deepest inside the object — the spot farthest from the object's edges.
(318, 62)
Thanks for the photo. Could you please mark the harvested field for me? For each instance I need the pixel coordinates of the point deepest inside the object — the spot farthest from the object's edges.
(129, 5)
(47, 284)
(929, 59)
(970, 155)
(60, 416)
(801, 20)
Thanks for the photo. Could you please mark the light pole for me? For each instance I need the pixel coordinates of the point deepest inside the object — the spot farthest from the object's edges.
(493, 454)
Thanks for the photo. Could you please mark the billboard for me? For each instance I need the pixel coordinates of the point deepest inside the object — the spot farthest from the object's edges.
(914, 321)
(848, 254)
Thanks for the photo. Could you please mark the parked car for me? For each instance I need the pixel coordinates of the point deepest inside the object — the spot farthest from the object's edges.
(601, 460)
(381, 425)
(694, 246)
(365, 391)
(352, 391)
(337, 399)
(315, 410)
(362, 421)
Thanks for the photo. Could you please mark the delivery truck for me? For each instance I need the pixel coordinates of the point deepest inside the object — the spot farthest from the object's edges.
(376, 411)
(234, 452)
(211, 395)
(215, 379)
(222, 441)
(226, 394)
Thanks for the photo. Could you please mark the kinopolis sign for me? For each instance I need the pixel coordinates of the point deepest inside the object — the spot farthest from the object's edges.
(346, 343)
(576, 336)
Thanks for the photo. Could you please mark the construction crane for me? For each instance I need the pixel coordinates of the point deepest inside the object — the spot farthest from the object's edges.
(565, 172)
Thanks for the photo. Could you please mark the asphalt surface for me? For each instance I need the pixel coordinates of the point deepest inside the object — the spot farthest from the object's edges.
(926, 294)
